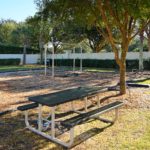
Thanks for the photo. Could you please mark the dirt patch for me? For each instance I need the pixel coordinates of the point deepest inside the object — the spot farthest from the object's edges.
(15, 88)
(131, 127)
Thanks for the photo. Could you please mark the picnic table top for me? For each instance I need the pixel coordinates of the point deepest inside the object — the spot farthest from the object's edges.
(60, 97)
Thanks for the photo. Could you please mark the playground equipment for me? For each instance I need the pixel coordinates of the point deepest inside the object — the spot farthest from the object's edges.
(49, 45)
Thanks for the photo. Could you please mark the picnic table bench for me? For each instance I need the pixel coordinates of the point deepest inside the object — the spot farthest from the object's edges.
(28, 106)
(54, 99)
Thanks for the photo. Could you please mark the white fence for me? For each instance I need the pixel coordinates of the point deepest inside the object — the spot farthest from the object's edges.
(102, 56)
(30, 58)
(33, 58)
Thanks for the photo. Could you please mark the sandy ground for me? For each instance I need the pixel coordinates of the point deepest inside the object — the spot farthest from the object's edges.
(15, 88)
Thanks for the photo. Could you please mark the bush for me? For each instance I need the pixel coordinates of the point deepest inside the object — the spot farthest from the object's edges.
(130, 64)
(15, 50)
(147, 64)
(9, 61)
(85, 63)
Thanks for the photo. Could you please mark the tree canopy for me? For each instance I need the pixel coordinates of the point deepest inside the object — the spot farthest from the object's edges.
(116, 20)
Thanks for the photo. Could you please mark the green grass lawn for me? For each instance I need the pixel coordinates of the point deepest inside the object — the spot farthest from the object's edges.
(145, 82)
(142, 81)
(130, 132)
(65, 68)
(99, 70)
(19, 67)
(140, 139)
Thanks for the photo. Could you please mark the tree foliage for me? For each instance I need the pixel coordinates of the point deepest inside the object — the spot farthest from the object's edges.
(68, 27)
(116, 20)
(6, 29)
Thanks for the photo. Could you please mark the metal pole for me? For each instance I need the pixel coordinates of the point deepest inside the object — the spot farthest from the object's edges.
(141, 67)
(74, 61)
(45, 49)
(81, 60)
(53, 43)
(53, 62)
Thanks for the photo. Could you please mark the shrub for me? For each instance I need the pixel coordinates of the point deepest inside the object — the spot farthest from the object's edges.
(15, 50)
(130, 64)
(147, 64)
(10, 61)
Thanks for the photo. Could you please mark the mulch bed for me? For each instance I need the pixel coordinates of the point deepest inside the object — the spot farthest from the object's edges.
(16, 87)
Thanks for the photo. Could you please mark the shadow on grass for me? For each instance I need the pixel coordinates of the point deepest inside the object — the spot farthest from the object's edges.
(88, 134)
(107, 97)
(15, 136)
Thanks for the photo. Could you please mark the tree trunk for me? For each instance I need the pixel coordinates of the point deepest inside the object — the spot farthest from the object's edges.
(123, 77)
(141, 52)
(122, 66)
(24, 54)
(149, 44)
(55, 48)
(41, 52)
(41, 56)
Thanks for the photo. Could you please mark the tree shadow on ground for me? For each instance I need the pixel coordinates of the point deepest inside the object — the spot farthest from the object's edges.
(107, 97)
(38, 81)
(15, 136)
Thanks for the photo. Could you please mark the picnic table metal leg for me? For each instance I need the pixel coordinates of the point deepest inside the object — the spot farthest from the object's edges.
(85, 106)
(40, 117)
(98, 100)
(74, 110)
(71, 137)
(107, 120)
(85, 100)
(72, 106)
(52, 136)
(53, 122)
(26, 118)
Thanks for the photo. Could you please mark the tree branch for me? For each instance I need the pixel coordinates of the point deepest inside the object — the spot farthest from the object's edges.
(108, 28)
(143, 27)
(114, 15)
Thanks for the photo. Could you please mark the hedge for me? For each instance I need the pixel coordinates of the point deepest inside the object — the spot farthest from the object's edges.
(9, 62)
(85, 63)
(147, 64)
(16, 50)
(130, 64)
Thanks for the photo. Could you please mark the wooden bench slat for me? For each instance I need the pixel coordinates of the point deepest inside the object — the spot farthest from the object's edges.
(27, 107)
(76, 120)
